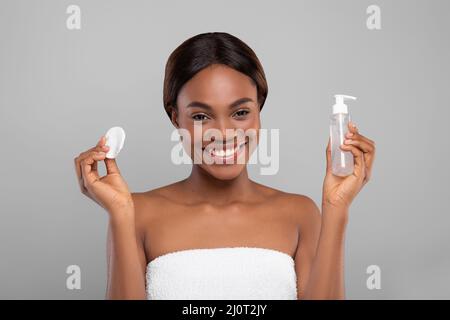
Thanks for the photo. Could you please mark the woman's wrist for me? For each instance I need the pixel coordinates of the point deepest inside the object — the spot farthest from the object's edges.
(336, 216)
(122, 215)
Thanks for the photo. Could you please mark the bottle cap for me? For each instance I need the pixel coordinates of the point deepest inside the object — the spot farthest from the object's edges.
(340, 106)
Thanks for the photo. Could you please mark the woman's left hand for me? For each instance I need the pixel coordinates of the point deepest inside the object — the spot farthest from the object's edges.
(339, 192)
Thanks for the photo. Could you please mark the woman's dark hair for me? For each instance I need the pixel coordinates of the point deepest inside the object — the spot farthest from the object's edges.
(205, 49)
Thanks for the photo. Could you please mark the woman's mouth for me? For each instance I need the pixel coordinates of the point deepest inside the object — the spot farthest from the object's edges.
(226, 152)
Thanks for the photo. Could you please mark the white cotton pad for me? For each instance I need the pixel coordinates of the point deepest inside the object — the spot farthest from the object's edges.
(115, 138)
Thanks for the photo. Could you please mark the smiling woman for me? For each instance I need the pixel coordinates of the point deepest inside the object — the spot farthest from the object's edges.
(217, 234)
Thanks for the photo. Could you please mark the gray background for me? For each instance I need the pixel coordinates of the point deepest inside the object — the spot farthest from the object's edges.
(60, 90)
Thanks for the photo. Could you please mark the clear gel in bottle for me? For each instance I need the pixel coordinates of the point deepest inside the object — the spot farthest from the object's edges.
(341, 161)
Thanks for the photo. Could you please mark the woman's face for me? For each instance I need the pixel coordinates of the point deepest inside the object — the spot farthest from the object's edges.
(224, 102)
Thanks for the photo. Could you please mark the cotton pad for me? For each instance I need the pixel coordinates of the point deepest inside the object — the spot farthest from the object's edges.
(115, 138)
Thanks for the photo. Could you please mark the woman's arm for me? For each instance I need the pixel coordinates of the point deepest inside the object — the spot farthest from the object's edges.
(326, 278)
(324, 272)
(126, 257)
(320, 252)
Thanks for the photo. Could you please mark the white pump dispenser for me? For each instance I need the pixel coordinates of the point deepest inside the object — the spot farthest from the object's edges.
(342, 162)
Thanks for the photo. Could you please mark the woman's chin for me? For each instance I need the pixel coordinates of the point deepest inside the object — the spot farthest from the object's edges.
(224, 171)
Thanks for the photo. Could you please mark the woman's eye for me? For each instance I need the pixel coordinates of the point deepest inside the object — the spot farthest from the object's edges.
(241, 113)
(199, 117)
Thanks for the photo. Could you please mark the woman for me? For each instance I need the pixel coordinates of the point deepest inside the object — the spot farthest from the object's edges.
(217, 234)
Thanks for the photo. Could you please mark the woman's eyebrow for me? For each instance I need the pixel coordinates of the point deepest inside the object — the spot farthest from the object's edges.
(208, 107)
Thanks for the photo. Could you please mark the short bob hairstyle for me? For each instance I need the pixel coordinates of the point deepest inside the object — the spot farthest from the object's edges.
(203, 50)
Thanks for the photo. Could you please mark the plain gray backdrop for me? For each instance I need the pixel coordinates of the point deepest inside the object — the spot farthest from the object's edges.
(61, 89)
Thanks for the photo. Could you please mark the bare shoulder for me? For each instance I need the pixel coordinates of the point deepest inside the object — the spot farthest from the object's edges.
(304, 211)
(303, 208)
(151, 204)
(158, 195)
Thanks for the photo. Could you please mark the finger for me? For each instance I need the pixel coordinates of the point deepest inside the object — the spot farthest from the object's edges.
(364, 145)
(354, 133)
(358, 155)
(100, 147)
(328, 155)
(368, 153)
(352, 128)
(102, 141)
(111, 166)
(96, 149)
(77, 161)
(368, 144)
(369, 159)
(82, 155)
(90, 176)
(102, 144)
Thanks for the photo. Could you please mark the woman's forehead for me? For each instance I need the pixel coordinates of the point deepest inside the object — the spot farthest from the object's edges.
(217, 85)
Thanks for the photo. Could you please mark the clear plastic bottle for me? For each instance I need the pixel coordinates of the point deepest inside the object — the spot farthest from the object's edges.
(342, 162)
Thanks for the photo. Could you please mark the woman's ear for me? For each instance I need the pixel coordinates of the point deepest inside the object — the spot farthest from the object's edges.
(174, 116)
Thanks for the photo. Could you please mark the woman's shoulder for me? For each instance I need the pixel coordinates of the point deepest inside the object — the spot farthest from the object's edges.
(284, 196)
(299, 206)
(152, 202)
(155, 197)
(150, 205)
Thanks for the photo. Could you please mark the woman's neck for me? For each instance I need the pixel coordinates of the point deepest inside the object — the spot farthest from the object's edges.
(202, 186)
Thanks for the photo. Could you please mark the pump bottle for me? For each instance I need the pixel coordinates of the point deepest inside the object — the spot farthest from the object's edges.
(342, 162)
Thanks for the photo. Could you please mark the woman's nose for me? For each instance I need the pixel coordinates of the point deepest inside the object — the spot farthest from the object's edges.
(227, 129)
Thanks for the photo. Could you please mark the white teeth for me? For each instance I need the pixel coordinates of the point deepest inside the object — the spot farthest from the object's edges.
(226, 153)
(222, 153)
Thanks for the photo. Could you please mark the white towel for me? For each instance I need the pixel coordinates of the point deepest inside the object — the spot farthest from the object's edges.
(241, 273)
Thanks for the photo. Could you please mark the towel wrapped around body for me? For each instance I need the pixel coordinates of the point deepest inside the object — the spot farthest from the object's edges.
(240, 273)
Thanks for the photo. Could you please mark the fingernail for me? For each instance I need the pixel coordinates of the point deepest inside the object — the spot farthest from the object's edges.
(349, 134)
(348, 141)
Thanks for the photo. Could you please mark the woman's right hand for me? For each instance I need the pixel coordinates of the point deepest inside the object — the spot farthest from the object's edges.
(110, 191)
